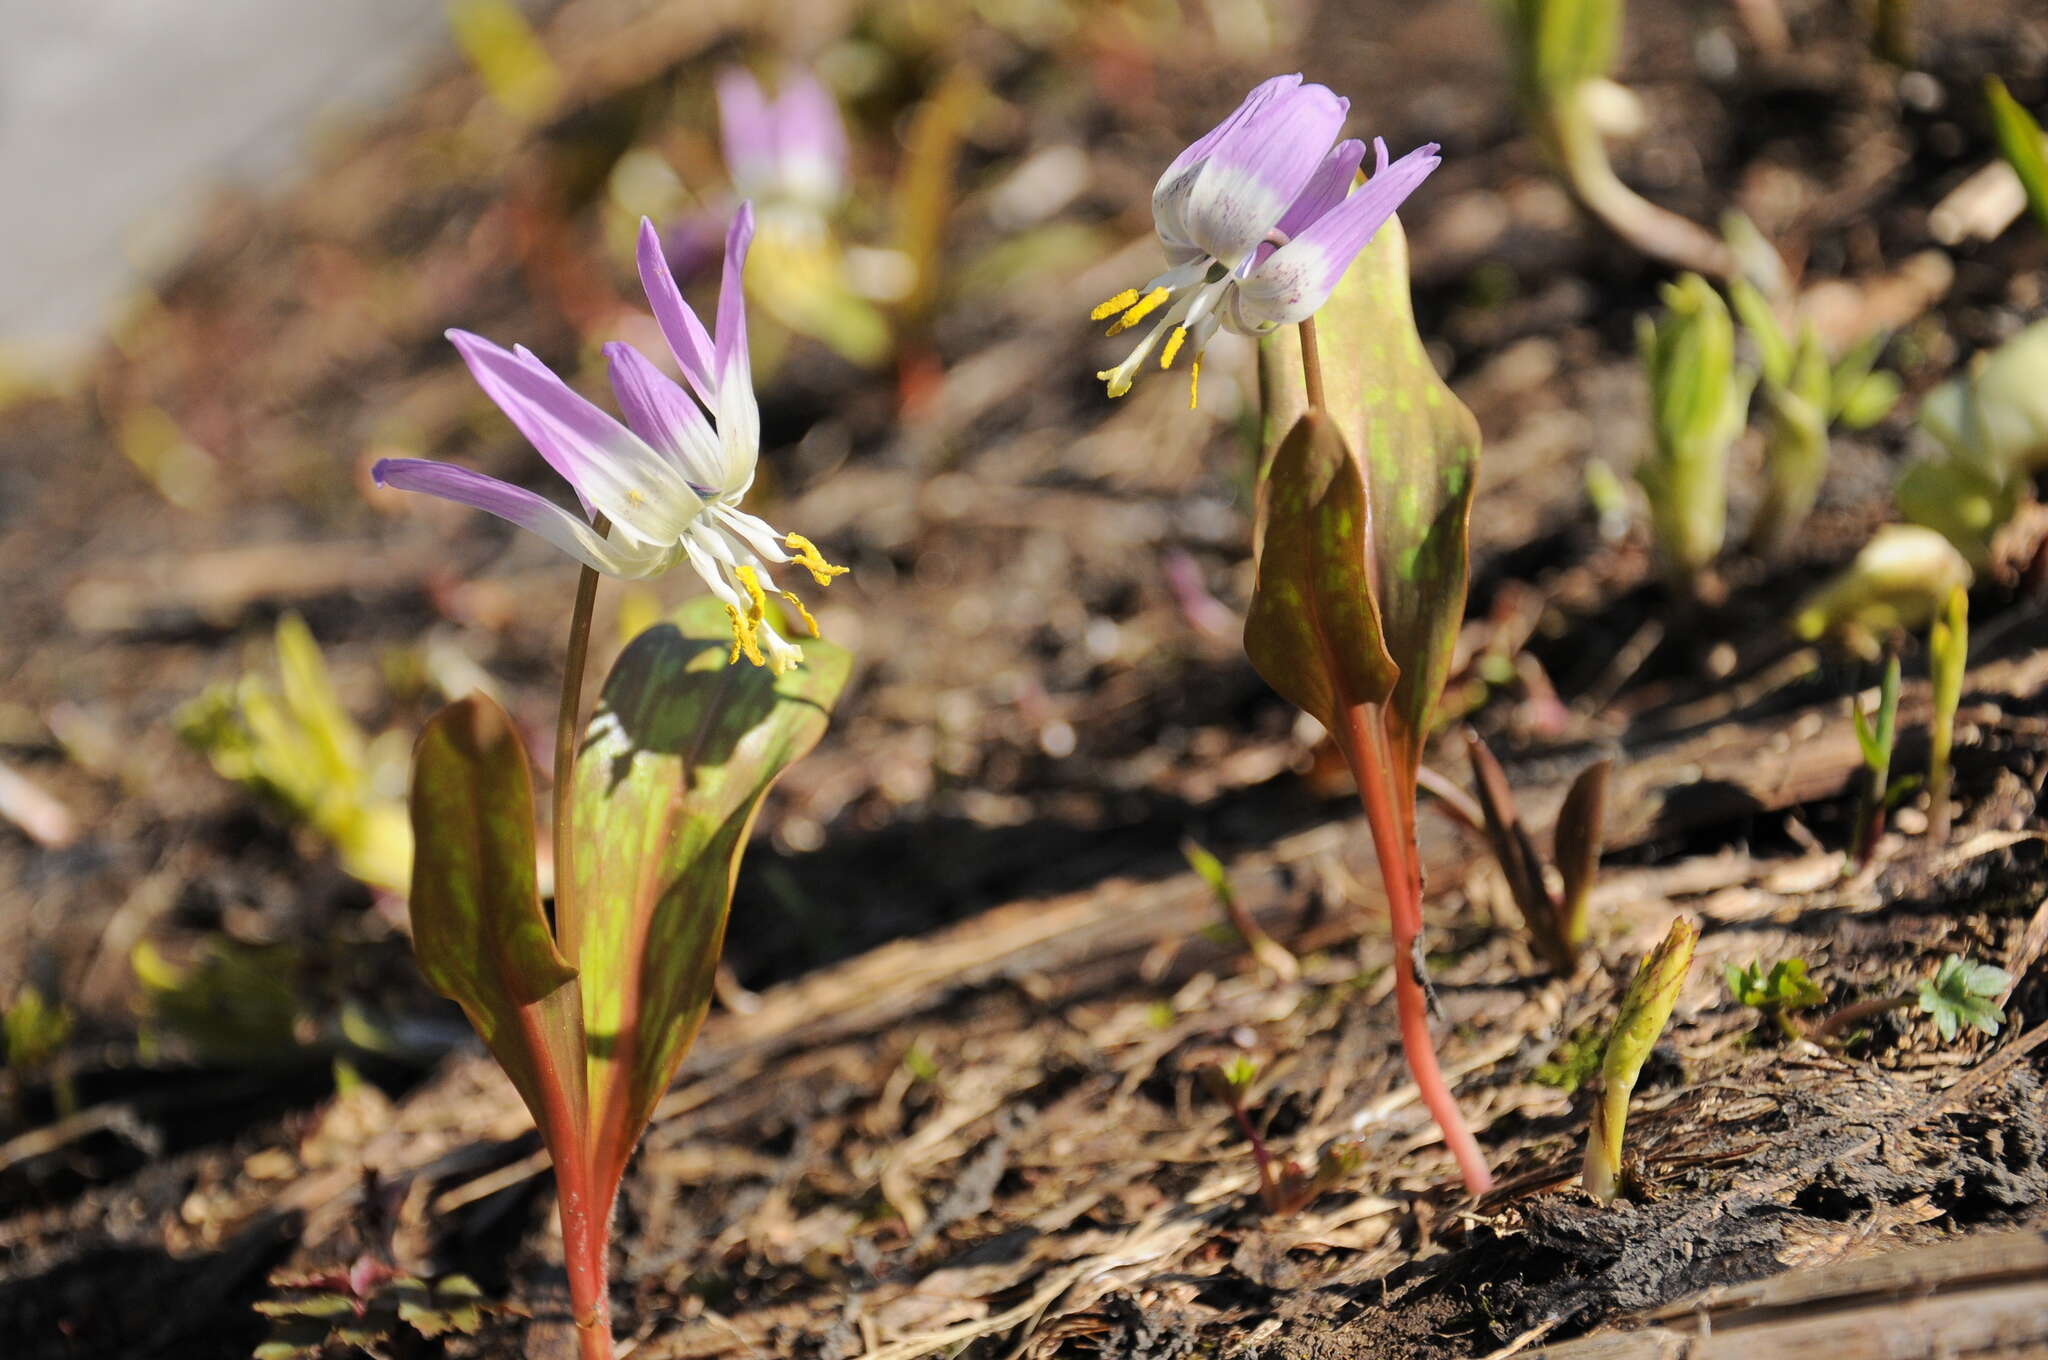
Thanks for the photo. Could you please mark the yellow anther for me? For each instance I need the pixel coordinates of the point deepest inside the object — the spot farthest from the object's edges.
(803, 613)
(1146, 306)
(744, 642)
(1194, 381)
(811, 560)
(1173, 344)
(1119, 381)
(636, 495)
(1114, 305)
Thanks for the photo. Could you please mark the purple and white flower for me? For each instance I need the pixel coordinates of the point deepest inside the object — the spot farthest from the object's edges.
(670, 479)
(787, 154)
(1260, 221)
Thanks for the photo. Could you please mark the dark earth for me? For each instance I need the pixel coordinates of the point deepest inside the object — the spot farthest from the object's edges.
(954, 1096)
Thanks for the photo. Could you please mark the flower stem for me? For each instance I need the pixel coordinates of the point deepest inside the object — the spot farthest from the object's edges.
(568, 928)
(1372, 765)
(1312, 365)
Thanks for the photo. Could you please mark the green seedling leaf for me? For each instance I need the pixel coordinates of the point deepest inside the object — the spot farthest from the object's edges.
(1948, 652)
(1313, 630)
(1995, 416)
(1243, 926)
(1576, 842)
(2021, 143)
(35, 1030)
(1418, 449)
(1960, 501)
(1783, 987)
(1239, 1074)
(1698, 404)
(477, 924)
(1644, 1013)
(679, 754)
(1574, 1061)
(1556, 44)
(1516, 854)
(1760, 321)
(1897, 583)
(300, 750)
(1964, 992)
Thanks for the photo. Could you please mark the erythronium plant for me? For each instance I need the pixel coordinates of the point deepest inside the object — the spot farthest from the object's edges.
(591, 1015)
(1362, 547)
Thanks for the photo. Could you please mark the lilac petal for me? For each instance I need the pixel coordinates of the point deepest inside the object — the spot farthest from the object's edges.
(1258, 169)
(610, 466)
(685, 334)
(746, 128)
(1326, 188)
(519, 506)
(810, 141)
(1169, 195)
(1299, 277)
(664, 415)
(739, 417)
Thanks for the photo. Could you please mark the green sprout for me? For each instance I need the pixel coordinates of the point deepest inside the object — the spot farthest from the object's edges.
(1267, 950)
(2021, 143)
(1964, 992)
(1992, 424)
(1803, 393)
(35, 1030)
(1644, 1013)
(296, 746)
(1284, 1187)
(1699, 398)
(1877, 740)
(1776, 992)
(1561, 52)
(1948, 647)
(1898, 583)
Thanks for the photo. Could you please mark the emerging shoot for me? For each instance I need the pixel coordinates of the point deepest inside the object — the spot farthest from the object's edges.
(1644, 1013)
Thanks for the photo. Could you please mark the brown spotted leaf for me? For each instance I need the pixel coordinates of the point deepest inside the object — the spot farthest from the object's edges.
(673, 768)
(1418, 448)
(477, 925)
(1312, 631)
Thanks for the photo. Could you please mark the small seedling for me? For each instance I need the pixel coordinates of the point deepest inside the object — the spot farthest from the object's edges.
(1574, 1062)
(1877, 740)
(1699, 400)
(1992, 423)
(1803, 394)
(1284, 1187)
(1644, 1013)
(1267, 950)
(35, 1030)
(1964, 992)
(1961, 992)
(1948, 647)
(296, 746)
(1556, 921)
(1776, 992)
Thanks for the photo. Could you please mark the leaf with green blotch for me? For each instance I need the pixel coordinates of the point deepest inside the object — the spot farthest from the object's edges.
(1313, 630)
(477, 925)
(1418, 449)
(2021, 143)
(674, 765)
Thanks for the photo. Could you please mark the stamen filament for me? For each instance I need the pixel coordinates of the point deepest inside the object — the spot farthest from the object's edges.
(1114, 305)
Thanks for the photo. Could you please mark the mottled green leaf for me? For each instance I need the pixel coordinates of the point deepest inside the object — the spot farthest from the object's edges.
(1418, 448)
(677, 757)
(1312, 630)
(477, 925)
(2020, 142)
